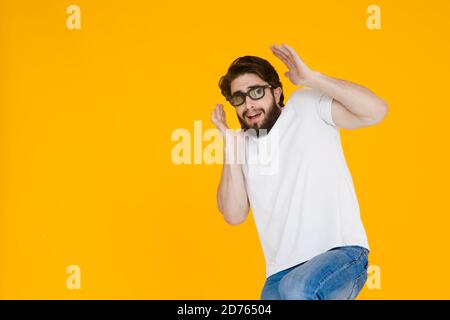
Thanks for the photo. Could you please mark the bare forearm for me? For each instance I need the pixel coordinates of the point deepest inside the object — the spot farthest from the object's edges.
(357, 99)
(232, 194)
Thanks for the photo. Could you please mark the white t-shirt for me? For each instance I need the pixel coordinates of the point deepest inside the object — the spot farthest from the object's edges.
(299, 186)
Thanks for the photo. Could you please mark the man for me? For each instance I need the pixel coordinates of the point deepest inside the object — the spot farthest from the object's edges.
(306, 210)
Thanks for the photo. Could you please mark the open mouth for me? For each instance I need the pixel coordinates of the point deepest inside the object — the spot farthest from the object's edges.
(254, 117)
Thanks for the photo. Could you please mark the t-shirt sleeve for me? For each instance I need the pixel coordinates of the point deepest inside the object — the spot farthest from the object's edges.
(324, 108)
(308, 100)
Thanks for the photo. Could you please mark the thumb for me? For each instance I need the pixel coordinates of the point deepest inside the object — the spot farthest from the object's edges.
(287, 74)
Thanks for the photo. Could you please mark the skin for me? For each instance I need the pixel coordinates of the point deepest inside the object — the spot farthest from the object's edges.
(353, 106)
(250, 106)
(232, 199)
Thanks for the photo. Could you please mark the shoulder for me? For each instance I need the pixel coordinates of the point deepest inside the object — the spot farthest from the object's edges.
(305, 95)
(311, 102)
(304, 99)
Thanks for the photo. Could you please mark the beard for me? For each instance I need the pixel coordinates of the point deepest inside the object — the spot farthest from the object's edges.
(267, 123)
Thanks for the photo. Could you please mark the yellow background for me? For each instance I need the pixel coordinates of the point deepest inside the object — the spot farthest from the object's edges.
(87, 115)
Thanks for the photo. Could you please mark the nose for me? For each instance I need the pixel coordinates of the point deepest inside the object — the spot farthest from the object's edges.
(249, 103)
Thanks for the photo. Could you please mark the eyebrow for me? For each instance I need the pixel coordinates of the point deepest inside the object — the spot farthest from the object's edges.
(248, 88)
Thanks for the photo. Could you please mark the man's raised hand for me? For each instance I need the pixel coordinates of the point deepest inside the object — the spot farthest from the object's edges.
(218, 117)
(299, 73)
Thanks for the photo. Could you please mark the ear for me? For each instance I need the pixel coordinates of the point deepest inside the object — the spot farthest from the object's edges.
(277, 93)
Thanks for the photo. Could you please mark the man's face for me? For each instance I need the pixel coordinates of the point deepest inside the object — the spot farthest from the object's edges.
(256, 114)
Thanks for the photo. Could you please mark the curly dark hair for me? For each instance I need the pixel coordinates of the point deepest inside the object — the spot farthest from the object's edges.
(255, 65)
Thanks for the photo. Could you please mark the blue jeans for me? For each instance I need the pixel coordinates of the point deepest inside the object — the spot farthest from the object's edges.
(337, 274)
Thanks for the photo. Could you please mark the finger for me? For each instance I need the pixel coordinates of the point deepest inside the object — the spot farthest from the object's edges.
(289, 49)
(218, 111)
(213, 118)
(281, 50)
(293, 54)
(285, 54)
(221, 113)
(279, 54)
(218, 116)
(285, 48)
(293, 57)
(284, 57)
(215, 115)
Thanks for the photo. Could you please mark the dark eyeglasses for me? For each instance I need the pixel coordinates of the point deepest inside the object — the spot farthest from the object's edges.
(255, 93)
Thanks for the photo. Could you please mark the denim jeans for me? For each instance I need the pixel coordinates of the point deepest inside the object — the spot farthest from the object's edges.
(337, 274)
